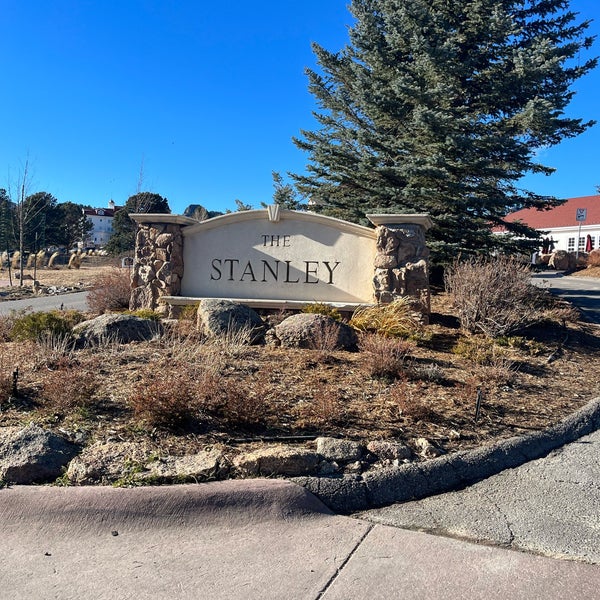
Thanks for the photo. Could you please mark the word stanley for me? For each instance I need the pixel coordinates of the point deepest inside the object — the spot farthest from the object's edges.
(307, 271)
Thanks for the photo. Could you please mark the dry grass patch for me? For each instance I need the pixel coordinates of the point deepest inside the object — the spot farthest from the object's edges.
(183, 393)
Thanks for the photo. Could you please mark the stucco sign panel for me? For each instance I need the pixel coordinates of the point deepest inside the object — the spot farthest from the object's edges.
(279, 255)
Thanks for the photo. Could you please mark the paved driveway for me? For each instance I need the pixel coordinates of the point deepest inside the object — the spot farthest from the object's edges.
(584, 292)
(76, 301)
(549, 506)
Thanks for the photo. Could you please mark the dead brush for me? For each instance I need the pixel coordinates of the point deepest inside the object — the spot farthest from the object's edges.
(239, 406)
(54, 351)
(165, 398)
(384, 357)
(493, 296)
(7, 323)
(110, 291)
(326, 336)
(324, 409)
(410, 401)
(500, 371)
(397, 319)
(6, 389)
(66, 390)
(184, 348)
(235, 342)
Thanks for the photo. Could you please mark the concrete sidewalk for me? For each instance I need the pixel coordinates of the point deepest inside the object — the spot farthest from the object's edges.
(246, 539)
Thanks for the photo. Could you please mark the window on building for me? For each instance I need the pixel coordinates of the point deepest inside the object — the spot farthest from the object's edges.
(581, 243)
(571, 244)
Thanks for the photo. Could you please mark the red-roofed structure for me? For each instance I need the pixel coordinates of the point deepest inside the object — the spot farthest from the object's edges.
(561, 223)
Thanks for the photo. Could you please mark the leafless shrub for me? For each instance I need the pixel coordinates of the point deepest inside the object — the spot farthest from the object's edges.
(430, 372)
(493, 296)
(67, 389)
(322, 410)
(6, 388)
(385, 356)
(410, 401)
(54, 349)
(111, 291)
(499, 371)
(165, 398)
(326, 337)
(238, 405)
(6, 325)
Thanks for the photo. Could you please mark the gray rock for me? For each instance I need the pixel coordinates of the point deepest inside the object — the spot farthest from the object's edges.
(116, 327)
(32, 454)
(315, 331)
(384, 450)
(106, 462)
(340, 451)
(217, 318)
(426, 448)
(202, 466)
(277, 460)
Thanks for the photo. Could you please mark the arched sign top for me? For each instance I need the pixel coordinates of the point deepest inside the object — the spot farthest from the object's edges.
(277, 215)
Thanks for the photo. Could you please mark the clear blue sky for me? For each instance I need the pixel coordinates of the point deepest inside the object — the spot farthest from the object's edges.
(202, 97)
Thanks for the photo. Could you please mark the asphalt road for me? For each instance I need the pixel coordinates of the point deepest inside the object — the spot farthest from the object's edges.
(584, 292)
(75, 301)
(550, 506)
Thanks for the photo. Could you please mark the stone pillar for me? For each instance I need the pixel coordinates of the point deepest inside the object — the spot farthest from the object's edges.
(402, 259)
(158, 261)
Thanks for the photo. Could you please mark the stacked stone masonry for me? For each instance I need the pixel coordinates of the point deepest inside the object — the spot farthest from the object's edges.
(401, 265)
(158, 266)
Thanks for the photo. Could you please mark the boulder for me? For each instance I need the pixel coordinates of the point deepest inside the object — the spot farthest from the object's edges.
(32, 454)
(130, 464)
(427, 449)
(202, 466)
(561, 260)
(315, 331)
(116, 327)
(340, 451)
(277, 460)
(385, 450)
(217, 318)
(106, 462)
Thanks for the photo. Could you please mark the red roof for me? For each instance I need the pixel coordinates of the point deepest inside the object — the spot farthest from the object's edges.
(560, 216)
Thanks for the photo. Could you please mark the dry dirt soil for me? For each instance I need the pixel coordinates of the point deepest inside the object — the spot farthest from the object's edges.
(183, 393)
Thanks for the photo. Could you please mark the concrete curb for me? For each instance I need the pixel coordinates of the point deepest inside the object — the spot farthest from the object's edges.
(351, 493)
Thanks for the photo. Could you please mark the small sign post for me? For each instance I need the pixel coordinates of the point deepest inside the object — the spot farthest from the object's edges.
(580, 217)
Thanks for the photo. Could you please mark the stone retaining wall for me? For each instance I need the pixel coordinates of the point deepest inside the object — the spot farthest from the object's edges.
(158, 265)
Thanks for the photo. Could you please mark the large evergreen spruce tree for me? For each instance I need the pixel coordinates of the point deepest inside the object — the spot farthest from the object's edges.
(441, 106)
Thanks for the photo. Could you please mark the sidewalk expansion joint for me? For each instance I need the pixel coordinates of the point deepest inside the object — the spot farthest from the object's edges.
(345, 562)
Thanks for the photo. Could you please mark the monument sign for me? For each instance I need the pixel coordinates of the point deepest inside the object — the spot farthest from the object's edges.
(277, 257)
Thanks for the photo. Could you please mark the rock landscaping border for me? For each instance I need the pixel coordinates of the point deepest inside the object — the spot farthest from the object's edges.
(32, 455)
(412, 481)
